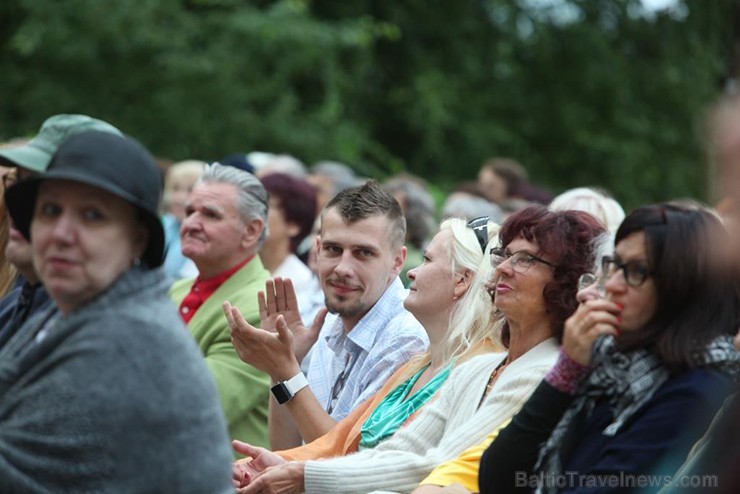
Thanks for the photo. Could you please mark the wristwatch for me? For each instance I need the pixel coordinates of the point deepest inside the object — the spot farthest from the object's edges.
(284, 391)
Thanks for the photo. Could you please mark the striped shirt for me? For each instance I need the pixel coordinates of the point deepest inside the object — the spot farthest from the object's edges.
(348, 368)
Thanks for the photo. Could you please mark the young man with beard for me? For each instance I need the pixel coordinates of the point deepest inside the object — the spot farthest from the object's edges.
(365, 339)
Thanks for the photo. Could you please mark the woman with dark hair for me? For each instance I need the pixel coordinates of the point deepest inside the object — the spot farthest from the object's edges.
(109, 392)
(542, 255)
(290, 216)
(640, 372)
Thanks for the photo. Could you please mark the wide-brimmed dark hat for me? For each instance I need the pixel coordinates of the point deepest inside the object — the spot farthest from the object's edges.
(113, 163)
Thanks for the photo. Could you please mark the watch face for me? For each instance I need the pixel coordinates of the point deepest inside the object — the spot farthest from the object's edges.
(281, 393)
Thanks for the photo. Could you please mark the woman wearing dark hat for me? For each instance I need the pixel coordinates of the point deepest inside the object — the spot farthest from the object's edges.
(109, 393)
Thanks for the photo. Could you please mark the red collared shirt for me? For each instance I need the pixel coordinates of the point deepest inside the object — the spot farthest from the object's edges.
(204, 288)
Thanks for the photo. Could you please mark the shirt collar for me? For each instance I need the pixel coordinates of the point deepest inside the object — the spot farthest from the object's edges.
(366, 330)
(210, 285)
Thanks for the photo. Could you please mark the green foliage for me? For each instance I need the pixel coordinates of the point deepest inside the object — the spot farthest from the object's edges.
(583, 92)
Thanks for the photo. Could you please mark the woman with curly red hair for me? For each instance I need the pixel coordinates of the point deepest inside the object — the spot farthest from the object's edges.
(641, 370)
(541, 256)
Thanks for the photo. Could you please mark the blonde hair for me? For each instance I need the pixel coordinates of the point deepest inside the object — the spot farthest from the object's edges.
(192, 169)
(472, 321)
(474, 327)
(8, 273)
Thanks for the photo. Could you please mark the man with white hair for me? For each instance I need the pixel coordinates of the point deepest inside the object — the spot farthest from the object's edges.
(224, 227)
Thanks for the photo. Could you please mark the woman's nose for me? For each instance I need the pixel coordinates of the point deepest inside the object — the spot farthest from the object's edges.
(63, 228)
(411, 274)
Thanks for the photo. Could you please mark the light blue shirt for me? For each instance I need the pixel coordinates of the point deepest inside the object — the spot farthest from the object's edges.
(363, 359)
(176, 265)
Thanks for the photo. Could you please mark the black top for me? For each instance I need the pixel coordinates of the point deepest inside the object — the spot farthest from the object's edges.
(18, 306)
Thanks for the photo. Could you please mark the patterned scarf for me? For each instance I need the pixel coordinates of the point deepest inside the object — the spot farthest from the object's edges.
(628, 381)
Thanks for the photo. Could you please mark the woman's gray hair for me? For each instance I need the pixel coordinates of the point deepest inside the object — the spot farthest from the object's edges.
(251, 196)
(597, 202)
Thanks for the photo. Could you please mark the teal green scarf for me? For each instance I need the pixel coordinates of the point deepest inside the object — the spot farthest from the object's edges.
(395, 409)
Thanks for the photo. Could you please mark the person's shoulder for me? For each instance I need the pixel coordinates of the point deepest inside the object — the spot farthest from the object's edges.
(475, 364)
(180, 288)
(702, 381)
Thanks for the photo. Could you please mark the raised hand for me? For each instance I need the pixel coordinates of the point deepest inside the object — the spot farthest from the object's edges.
(591, 319)
(270, 352)
(279, 298)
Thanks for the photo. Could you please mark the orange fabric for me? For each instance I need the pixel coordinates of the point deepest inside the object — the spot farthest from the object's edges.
(345, 436)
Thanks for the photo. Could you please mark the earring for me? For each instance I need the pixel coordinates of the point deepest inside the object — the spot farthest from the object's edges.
(136, 262)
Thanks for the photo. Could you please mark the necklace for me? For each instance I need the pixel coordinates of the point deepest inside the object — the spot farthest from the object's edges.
(492, 378)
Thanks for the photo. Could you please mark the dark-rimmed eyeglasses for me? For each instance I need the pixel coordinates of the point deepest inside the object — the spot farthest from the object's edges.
(480, 228)
(520, 261)
(635, 272)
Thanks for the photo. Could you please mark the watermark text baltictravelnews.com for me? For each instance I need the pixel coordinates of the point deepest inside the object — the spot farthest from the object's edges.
(621, 480)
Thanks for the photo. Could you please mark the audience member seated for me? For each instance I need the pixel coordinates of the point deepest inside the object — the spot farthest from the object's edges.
(541, 256)
(330, 178)
(418, 209)
(447, 296)
(266, 163)
(290, 219)
(178, 183)
(596, 202)
(503, 179)
(224, 228)
(462, 204)
(28, 161)
(108, 393)
(366, 339)
(460, 476)
(641, 371)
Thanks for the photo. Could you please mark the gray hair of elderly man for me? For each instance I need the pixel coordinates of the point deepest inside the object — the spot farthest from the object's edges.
(251, 196)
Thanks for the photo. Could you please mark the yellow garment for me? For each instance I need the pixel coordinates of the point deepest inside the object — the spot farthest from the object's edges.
(464, 468)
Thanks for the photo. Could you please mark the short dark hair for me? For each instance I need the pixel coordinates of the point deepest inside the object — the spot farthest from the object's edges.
(696, 292)
(511, 171)
(297, 200)
(358, 203)
(567, 239)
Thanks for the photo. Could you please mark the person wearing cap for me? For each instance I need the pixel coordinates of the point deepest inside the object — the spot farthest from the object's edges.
(225, 225)
(30, 296)
(109, 393)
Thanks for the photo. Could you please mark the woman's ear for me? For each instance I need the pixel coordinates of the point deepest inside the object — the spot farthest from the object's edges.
(462, 283)
(141, 240)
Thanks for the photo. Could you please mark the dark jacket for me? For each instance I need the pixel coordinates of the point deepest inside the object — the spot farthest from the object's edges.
(647, 447)
(22, 303)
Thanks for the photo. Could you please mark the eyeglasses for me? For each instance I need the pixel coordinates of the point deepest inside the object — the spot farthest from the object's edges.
(587, 279)
(480, 228)
(635, 272)
(520, 261)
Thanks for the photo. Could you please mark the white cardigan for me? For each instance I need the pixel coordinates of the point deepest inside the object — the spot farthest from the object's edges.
(444, 429)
